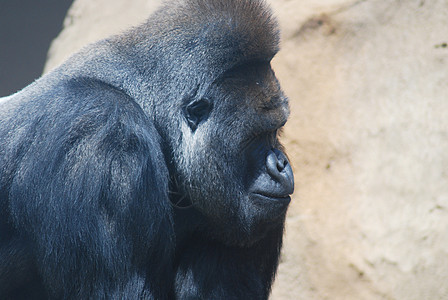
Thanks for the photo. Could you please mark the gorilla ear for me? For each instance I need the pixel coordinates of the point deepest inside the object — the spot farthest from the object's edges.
(197, 111)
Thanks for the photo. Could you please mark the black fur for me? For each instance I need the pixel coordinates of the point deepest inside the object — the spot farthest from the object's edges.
(142, 168)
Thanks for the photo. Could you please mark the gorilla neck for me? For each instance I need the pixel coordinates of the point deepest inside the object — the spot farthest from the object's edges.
(187, 222)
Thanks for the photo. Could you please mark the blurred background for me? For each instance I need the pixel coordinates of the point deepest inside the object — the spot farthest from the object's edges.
(367, 136)
(27, 28)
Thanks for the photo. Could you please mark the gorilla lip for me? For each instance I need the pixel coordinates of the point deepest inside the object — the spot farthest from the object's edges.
(284, 199)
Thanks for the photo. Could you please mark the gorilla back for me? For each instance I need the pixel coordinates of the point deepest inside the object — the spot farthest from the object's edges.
(148, 165)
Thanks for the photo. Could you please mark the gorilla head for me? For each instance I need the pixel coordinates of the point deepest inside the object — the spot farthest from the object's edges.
(225, 115)
(148, 166)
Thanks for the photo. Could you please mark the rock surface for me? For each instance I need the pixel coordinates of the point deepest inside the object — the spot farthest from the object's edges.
(367, 136)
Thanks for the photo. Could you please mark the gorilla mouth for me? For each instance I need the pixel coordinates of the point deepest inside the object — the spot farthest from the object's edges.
(281, 199)
(274, 186)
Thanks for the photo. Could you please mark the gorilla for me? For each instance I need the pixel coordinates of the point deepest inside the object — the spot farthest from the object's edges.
(148, 165)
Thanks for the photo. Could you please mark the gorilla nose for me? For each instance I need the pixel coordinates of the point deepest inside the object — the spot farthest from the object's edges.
(279, 168)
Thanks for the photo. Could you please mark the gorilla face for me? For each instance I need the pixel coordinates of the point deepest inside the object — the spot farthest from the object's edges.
(230, 162)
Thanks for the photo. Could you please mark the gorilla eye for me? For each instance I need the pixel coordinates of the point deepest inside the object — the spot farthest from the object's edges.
(196, 112)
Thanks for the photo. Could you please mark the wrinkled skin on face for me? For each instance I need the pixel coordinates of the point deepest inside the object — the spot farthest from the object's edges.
(233, 168)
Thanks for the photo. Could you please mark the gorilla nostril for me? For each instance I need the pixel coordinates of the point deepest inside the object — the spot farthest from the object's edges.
(281, 164)
(276, 162)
